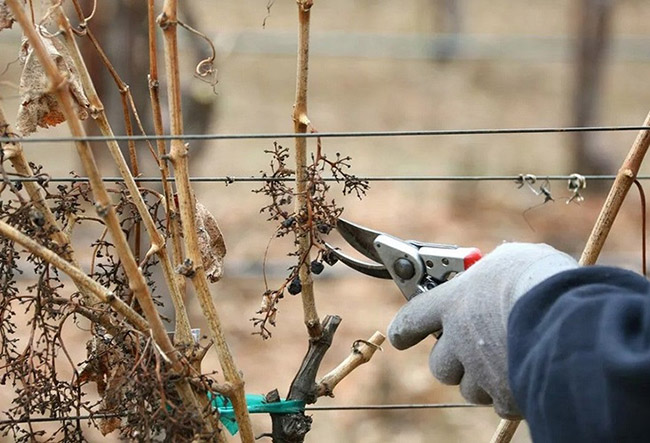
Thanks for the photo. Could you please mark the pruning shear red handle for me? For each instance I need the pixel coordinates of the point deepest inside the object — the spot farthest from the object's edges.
(414, 266)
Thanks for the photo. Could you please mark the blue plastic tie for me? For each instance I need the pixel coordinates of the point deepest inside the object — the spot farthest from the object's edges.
(256, 404)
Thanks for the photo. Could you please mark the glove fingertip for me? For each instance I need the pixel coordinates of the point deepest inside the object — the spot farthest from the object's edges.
(398, 336)
(507, 413)
(420, 317)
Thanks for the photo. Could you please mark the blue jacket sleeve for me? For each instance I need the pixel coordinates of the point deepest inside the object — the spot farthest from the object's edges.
(579, 357)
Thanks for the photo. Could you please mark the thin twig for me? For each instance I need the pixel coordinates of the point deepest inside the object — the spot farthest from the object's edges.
(362, 352)
(170, 207)
(14, 152)
(505, 431)
(125, 91)
(301, 124)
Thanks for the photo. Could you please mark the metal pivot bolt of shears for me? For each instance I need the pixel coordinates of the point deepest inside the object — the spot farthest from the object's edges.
(414, 266)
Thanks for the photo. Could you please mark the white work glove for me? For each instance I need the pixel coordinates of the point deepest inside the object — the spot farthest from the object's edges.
(472, 312)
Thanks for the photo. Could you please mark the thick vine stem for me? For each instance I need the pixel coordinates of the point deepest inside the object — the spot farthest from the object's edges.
(292, 428)
(183, 332)
(301, 124)
(77, 275)
(624, 180)
(362, 352)
(179, 159)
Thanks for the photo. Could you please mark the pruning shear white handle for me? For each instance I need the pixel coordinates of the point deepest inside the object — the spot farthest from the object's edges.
(414, 266)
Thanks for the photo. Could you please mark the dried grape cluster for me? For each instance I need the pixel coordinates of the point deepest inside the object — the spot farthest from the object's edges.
(34, 303)
(315, 221)
(138, 389)
(125, 375)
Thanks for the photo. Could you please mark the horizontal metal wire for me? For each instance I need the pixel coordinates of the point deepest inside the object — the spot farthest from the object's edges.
(406, 178)
(425, 46)
(351, 134)
(25, 420)
(393, 407)
(307, 408)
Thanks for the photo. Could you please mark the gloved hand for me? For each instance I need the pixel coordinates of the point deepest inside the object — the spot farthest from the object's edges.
(472, 312)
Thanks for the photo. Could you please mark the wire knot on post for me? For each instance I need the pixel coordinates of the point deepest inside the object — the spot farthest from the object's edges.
(530, 180)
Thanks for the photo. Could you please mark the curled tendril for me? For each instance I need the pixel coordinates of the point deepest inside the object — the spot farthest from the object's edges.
(205, 69)
(206, 72)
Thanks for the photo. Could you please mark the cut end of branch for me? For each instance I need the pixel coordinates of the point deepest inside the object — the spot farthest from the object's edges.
(362, 352)
(305, 5)
(302, 118)
(315, 329)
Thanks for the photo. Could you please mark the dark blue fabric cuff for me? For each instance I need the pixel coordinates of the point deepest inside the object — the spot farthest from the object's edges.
(579, 356)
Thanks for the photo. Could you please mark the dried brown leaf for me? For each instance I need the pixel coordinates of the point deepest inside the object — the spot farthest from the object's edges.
(105, 368)
(211, 243)
(39, 105)
(91, 373)
(6, 19)
(108, 425)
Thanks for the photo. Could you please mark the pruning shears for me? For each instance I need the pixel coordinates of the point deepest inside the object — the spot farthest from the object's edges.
(414, 266)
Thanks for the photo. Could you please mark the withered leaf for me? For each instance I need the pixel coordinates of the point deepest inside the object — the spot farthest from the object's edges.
(39, 105)
(211, 243)
(108, 425)
(103, 368)
(116, 375)
(6, 19)
(91, 373)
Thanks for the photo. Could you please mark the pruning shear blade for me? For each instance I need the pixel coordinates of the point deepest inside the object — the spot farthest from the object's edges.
(371, 269)
(414, 266)
(360, 238)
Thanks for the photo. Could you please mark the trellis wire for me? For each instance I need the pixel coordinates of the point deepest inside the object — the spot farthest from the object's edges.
(386, 407)
(359, 134)
(227, 179)
(343, 134)
(394, 407)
